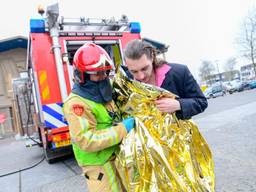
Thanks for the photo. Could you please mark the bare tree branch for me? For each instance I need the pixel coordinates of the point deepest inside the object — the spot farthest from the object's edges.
(247, 39)
(229, 68)
(206, 69)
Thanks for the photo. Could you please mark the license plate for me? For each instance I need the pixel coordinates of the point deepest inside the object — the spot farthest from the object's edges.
(62, 143)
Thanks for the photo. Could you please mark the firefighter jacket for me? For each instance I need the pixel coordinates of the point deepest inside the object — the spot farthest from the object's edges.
(94, 137)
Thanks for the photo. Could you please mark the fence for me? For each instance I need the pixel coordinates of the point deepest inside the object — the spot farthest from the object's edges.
(23, 109)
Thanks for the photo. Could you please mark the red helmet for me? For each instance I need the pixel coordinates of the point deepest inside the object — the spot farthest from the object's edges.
(91, 58)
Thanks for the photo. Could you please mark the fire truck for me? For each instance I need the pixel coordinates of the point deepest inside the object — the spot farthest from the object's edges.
(53, 40)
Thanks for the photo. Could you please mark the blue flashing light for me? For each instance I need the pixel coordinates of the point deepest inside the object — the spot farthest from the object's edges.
(135, 27)
(37, 25)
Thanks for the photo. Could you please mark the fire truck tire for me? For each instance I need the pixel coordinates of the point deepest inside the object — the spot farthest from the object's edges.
(48, 157)
(53, 156)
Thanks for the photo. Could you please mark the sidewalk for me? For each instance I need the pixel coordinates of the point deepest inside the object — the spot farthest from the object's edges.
(63, 176)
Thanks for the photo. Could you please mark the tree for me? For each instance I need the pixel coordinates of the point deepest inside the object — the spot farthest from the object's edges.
(247, 39)
(205, 70)
(229, 68)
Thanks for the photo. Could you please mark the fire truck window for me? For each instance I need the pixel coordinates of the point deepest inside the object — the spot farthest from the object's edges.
(112, 49)
(117, 55)
(114, 53)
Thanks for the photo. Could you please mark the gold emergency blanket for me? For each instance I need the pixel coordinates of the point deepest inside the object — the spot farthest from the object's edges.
(162, 153)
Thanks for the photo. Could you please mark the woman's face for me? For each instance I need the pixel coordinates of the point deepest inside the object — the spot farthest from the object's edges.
(141, 69)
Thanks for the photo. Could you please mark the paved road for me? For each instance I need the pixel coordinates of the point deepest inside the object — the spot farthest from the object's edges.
(228, 101)
(64, 176)
(228, 125)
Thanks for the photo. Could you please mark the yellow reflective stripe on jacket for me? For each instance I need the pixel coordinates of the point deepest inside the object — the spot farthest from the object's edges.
(110, 134)
(83, 123)
(111, 176)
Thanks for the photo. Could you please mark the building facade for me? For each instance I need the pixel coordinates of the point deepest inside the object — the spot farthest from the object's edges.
(13, 53)
(247, 72)
(222, 77)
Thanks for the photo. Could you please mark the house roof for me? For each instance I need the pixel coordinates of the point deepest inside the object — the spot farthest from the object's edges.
(13, 43)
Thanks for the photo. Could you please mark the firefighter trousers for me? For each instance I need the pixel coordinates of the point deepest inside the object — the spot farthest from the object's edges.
(103, 178)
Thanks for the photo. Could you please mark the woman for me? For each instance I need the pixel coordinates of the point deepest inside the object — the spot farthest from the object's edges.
(141, 61)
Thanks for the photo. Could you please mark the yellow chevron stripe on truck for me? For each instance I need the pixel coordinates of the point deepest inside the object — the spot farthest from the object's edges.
(45, 91)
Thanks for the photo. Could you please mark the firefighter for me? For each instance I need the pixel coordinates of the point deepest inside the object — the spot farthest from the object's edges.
(90, 110)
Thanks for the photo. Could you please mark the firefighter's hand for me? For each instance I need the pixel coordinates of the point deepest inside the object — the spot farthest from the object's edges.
(129, 124)
(167, 105)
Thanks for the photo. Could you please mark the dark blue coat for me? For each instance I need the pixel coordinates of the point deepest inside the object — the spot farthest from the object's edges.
(181, 82)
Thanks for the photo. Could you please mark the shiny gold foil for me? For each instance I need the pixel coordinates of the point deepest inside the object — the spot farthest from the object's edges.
(162, 153)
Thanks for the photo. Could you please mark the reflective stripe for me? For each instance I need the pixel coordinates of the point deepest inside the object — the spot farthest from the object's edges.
(44, 85)
(111, 176)
(111, 134)
(54, 110)
(115, 137)
(55, 122)
(84, 124)
(53, 115)
(57, 107)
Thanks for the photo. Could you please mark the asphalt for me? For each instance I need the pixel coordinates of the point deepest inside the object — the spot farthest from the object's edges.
(32, 173)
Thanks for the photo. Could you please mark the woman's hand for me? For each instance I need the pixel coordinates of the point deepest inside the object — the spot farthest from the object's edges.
(167, 105)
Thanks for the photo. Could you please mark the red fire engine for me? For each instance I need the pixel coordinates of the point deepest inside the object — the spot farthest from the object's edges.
(52, 43)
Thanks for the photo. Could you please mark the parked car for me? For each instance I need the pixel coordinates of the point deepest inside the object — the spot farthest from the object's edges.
(252, 84)
(243, 86)
(227, 86)
(215, 91)
(234, 86)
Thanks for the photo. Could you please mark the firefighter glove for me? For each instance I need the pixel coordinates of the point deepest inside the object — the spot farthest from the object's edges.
(129, 124)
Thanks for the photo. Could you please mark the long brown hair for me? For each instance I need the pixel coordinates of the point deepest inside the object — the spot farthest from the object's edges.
(136, 48)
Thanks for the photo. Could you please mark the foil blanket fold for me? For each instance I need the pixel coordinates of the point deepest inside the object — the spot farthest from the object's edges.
(162, 153)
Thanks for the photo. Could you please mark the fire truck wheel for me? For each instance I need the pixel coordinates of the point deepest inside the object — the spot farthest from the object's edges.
(48, 157)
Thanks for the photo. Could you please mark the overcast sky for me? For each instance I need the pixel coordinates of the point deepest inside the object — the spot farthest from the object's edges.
(195, 30)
